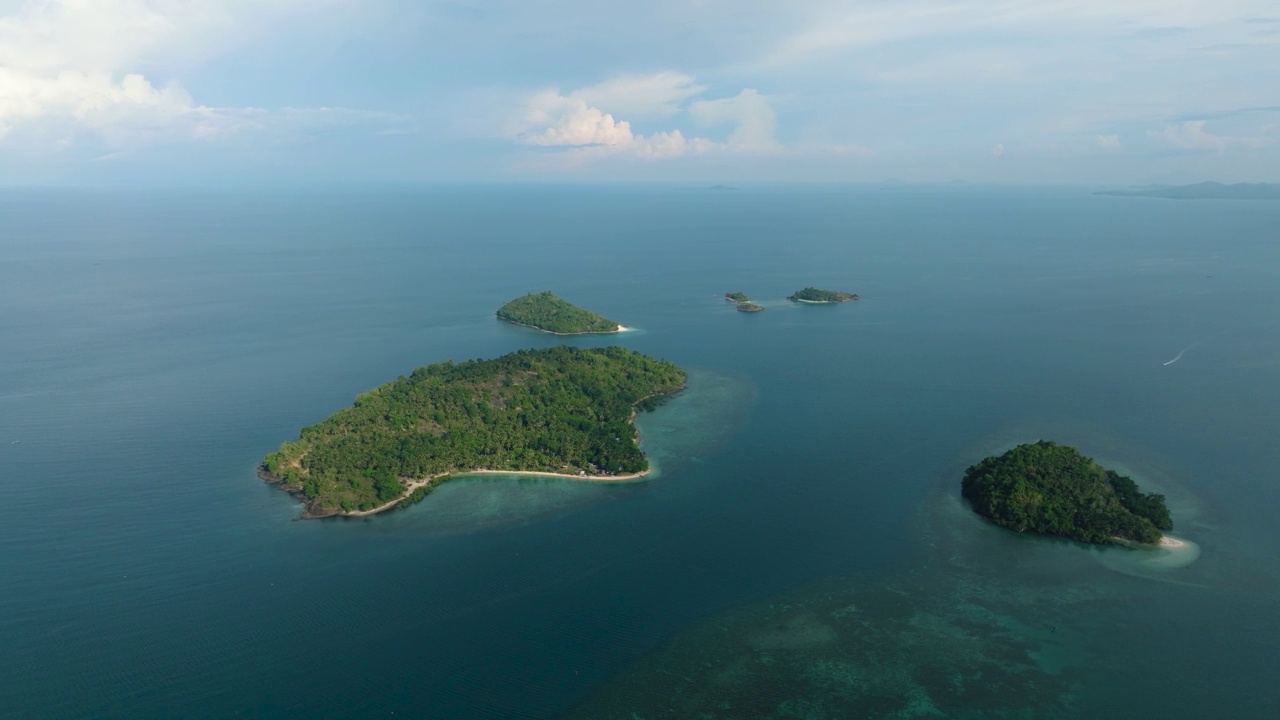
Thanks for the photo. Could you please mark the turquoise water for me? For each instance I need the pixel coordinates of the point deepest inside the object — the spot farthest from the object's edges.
(156, 345)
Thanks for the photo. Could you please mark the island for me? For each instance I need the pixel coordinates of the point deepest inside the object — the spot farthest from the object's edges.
(1203, 191)
(816, 296)
(548, 313)
(1052, 489)
(558, 411)
(742, 302)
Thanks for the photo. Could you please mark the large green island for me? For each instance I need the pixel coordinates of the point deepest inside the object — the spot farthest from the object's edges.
(815, 295)
(544, 311)
(560, 411)
(1052, 489)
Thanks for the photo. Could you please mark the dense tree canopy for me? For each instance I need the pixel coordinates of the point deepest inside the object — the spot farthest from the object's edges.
(561, 409)
(547, 312)
(812, 294)
(1052, 489)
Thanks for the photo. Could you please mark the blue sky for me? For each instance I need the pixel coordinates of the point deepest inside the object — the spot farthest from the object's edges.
(1007, 91)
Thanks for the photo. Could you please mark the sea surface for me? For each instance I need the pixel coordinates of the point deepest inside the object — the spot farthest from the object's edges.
(802, 552)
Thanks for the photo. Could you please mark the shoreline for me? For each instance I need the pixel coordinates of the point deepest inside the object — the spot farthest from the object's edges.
(309, 512)
(414, 485)
(621, 329)
(566, 476)
(818, 302)
(1164, 543)
(410, 487)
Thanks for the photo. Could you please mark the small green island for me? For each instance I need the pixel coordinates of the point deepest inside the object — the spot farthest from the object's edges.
(556, 411)
(815, 295)
(742, 302)
(544, 311)
(1052, 489)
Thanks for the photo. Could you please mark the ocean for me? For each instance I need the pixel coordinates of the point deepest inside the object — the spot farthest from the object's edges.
(802, 551)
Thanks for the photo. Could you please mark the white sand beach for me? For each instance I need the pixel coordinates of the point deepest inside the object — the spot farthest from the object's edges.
(413, 485)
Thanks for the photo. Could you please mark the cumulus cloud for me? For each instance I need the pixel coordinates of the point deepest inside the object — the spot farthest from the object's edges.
(551, 118)
(998, 150)
(555, 119)
(659, 95)
(1191, 135)
(118, 110)
(752, 115)
(581, 131)
(67, 69)
(671, 144)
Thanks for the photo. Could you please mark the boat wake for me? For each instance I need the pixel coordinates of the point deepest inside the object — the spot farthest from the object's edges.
(1182, 352)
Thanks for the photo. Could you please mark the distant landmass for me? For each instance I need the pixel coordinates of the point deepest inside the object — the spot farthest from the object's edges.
(742, 302)
(544, 311)
(815, 295)
(1204, 191)
(1053, 489)
(556, 411)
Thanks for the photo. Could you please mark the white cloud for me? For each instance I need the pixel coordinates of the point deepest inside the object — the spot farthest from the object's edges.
(67, 69)
(583, 132)
(998, 150)
(119, 111)
(843, 26)
(554, 119)
(1191, 135)
(750, 112)
(659, 95)
(1109, 142)
(551, 118)
(671, 144)
(51, 35)
(48, 36)
(1101, 66)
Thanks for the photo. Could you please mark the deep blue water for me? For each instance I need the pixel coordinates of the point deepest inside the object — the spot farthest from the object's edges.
(155, 345)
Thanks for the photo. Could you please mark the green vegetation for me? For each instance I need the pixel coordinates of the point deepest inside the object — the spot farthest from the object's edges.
(1052, 489)
(561, 410)
(742, 302)
(420, 492)
(545, 311)
(812, 294)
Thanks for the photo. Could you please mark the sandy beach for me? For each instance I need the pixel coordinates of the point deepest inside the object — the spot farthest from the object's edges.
(414, 485)
(621, 328)
(1170, 543)
(567, 476)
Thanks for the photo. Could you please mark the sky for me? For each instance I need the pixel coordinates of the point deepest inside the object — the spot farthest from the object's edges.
(1112, 92)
